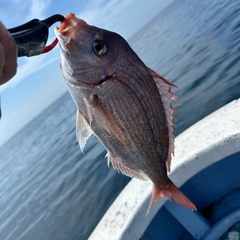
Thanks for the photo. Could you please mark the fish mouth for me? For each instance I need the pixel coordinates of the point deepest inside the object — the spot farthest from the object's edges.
(68, 25)
(67, 30)
(61, 38)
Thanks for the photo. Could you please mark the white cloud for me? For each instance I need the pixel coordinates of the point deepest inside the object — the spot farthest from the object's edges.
(37, 8)
(28, 67)
(16, 12)
(24, 11)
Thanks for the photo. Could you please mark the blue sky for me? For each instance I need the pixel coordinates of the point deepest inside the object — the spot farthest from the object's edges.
(38, 81)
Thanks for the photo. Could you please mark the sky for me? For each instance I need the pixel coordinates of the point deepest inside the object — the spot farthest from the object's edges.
(38, 81)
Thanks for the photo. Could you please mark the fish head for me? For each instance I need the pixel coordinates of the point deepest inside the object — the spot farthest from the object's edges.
(90, 55)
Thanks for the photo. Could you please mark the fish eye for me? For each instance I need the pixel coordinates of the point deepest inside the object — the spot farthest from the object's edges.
(99, 47)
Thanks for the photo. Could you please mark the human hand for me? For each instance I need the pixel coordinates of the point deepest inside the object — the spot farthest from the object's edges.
(8, 55)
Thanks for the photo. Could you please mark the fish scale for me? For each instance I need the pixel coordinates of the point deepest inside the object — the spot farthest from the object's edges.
(124, 103)
(123, 122)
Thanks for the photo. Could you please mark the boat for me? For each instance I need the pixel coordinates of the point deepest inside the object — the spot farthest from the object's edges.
(206, 167)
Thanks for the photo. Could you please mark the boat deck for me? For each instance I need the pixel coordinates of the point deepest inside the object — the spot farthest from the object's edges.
(206, 168)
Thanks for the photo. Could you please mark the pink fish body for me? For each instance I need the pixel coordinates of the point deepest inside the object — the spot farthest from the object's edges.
(124, 103)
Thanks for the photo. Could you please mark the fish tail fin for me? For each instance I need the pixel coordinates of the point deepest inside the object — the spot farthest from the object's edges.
(169, 192)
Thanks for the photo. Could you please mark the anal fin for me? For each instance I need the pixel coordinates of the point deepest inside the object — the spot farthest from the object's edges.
(126, 170)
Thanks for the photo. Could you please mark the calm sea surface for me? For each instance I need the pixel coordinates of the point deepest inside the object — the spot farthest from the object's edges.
(50, 190)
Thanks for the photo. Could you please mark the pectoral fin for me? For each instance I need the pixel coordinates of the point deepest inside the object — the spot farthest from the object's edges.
(97, 111)
(83, 130)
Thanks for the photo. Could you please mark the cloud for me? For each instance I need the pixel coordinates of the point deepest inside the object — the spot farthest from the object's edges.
(38, 8)
(24, 11)
(16, 12)
(28, 67)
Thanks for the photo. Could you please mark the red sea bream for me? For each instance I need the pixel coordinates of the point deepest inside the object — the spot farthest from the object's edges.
(124, 103)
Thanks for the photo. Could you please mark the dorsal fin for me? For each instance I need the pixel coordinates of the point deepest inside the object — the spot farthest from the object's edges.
(164, 87)
(83, 130)
(125, 170)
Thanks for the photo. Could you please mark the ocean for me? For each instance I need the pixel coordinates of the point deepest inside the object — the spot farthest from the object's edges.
(50, 190)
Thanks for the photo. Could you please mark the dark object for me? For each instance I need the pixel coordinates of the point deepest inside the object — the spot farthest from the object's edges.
(31, 37)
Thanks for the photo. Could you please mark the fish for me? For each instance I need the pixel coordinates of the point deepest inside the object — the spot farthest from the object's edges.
(125, 104)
